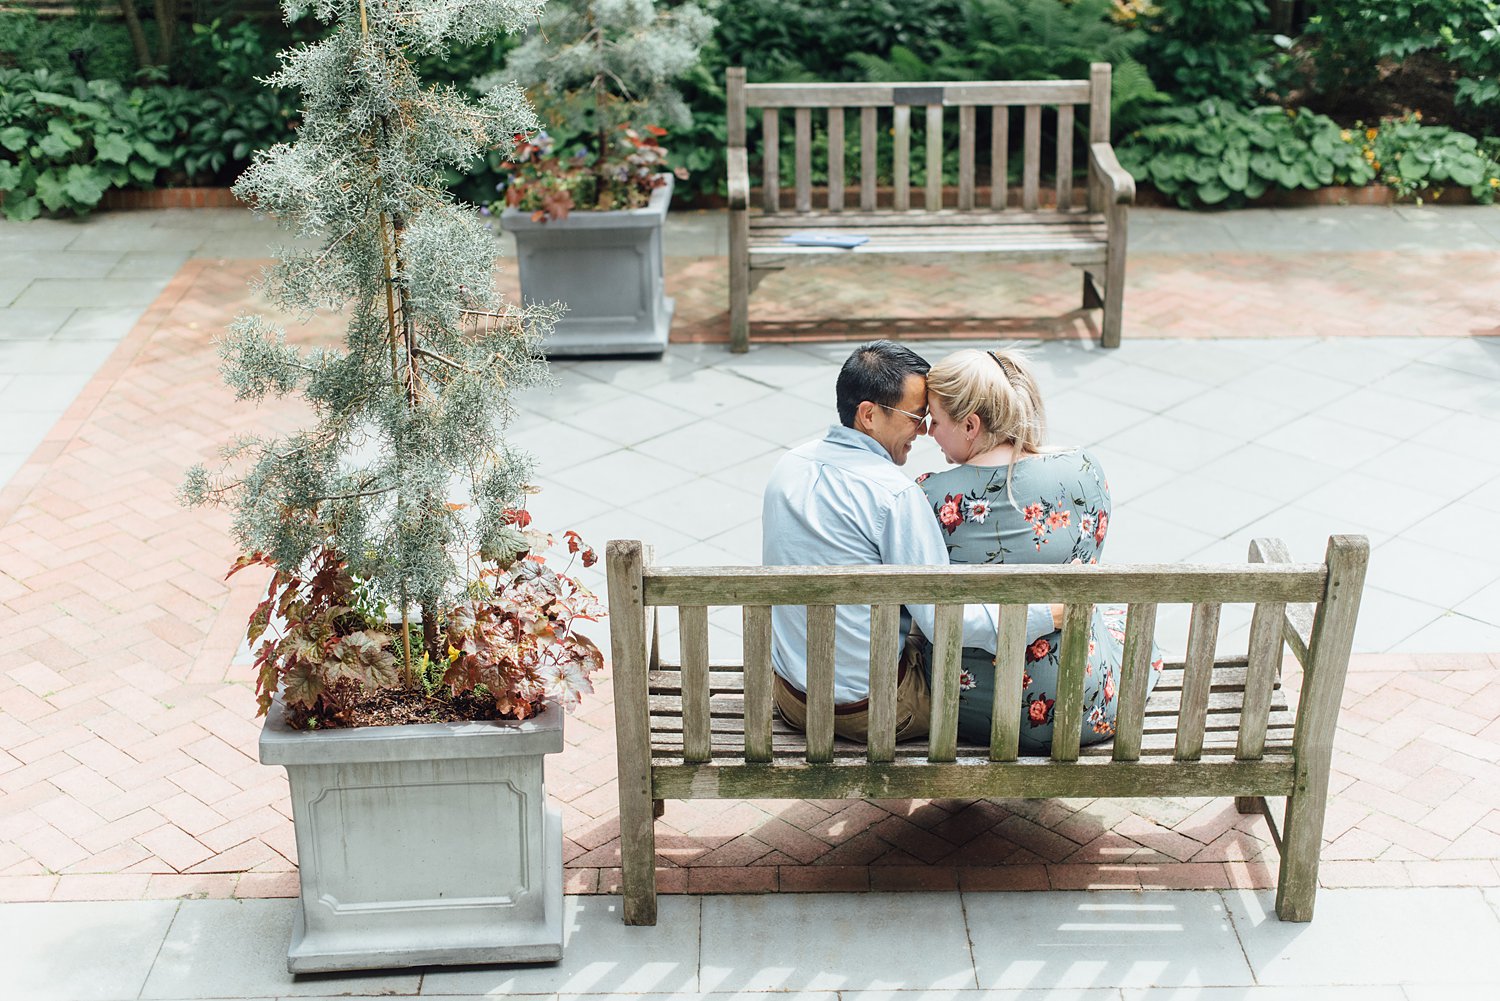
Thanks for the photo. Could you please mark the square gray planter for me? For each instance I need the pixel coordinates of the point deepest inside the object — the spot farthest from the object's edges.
(420, 845)
(607, 268)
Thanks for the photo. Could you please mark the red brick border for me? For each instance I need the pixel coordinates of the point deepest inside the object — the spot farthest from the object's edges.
(118, 200)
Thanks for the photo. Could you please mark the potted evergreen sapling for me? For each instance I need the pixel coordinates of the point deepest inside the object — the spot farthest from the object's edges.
(415, 645)
(587, 198)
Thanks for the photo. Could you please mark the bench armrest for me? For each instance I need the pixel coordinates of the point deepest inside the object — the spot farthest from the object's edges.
(739, 179)
(1119, 186)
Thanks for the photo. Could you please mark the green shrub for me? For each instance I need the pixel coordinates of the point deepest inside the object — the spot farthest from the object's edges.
(798, 40)
(1201, 49)
(81, 45)
(1031, 40)
(1214, 154)
(1355, 41)
(64, 142)
(1412, 157)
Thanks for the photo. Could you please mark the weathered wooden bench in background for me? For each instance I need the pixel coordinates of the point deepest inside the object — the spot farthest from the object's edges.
(1212, 727)
(922, 227)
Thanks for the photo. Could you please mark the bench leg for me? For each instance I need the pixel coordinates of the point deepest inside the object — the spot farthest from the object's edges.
(624, 565)
(1114, 279)
(739, 281)
(658, 807)
(1301, 843)
(638, 858)
(1249, 804)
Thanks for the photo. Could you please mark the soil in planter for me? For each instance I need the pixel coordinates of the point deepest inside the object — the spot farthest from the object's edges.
(396, 706)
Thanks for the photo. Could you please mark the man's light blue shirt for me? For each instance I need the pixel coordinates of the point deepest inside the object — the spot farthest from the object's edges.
(841, 501)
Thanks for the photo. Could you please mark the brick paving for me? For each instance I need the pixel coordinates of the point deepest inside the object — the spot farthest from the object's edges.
(127, 743)
(1178, 295)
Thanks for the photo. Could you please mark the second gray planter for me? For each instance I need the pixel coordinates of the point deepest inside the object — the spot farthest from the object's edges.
(607, 268)
(421, 845)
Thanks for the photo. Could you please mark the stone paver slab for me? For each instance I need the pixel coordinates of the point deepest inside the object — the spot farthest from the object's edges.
(601, 955)
(1077, 939)
(22, 322)
(234, 948)
(81, 951)
(1436, 936)
(833, 942)
(55, 293)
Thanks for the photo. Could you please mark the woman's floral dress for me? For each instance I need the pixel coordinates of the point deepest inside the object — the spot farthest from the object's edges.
(1060, 514)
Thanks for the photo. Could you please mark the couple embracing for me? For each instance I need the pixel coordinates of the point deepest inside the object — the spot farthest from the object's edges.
(843, 500)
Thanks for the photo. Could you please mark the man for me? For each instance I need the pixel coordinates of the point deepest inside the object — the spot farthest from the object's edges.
(843, 501)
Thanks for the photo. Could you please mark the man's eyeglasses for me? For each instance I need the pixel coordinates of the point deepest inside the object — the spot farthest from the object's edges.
(921, 419)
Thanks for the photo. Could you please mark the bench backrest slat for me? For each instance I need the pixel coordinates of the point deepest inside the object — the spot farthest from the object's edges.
(1065, 158)
(770, 128)
(803, 157)
(885, 653)
(820, 657)
(901, 158)
(999, 155)
(947, 663)
(869, 173)
(1031, 166)
(934, 195)
(1263, 668)
(758, 682)
(984, 584)
(1197, 680)
(1067, 710)
(1010, 666)
(1135, 679)
(966, 138)
(835, 159)
(692, 626)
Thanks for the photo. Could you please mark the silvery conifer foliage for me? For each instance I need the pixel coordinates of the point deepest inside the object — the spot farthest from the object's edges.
(405, 472)
(627, 52)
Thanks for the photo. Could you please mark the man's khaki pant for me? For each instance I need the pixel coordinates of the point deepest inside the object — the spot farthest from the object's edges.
(852, 719)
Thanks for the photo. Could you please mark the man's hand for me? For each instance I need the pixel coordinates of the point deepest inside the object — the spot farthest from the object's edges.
(1057, 616)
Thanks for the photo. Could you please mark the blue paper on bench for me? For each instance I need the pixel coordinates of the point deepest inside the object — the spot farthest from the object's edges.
(809, 238)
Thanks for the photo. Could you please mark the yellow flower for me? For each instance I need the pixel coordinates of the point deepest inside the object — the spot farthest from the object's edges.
(1369, 154)
(1495, 182)
(452, 653)
(1346, 135)
(1376, 165)
(1417, 115)
(1371, 133)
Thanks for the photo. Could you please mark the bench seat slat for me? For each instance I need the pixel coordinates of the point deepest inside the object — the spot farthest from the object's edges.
(931, 252)
(861, 221)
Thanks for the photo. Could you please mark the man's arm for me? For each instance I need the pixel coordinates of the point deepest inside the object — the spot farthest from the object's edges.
(911, 536)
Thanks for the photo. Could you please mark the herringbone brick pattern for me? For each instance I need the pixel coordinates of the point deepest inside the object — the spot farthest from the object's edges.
(1168, 295)
(127, 741)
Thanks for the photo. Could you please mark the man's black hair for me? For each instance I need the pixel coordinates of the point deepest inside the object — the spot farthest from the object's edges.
(876, 372)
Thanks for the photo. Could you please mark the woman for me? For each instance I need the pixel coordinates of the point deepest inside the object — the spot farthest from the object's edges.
(1011, 500)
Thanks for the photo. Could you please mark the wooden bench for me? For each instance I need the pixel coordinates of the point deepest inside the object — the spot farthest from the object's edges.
(1212, 727)
(919, 225)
